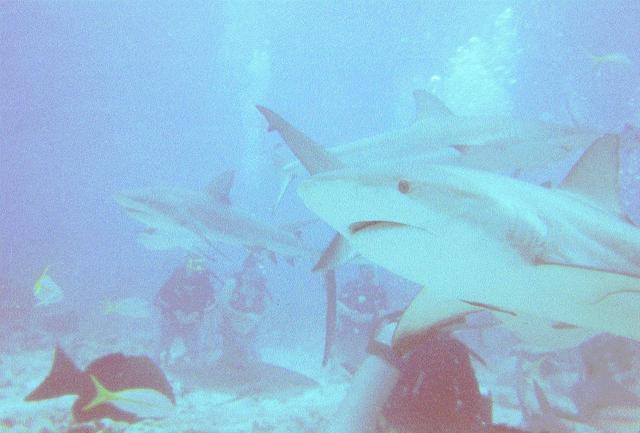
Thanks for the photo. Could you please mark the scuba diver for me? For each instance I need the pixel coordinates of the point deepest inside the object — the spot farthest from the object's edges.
(184, 300)
(245, 297)
(360, 303)
(432, 389)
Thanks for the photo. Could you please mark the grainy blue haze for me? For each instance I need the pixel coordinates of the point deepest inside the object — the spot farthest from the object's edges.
(96, 97)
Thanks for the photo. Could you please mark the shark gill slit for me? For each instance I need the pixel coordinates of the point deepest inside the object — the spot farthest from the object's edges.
(616, 292)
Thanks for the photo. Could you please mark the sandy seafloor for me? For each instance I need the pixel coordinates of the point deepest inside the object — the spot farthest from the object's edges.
(197, 411)
(200, 411)
(26, 353)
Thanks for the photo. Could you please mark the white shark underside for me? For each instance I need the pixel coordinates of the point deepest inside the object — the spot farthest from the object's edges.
(475, 237)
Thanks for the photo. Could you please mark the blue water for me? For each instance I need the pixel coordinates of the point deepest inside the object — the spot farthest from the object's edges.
(97, 97)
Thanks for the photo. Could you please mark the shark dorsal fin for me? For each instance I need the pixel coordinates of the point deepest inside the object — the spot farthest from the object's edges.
(595, 175)
(428, 105)
(311, 155)
(219, 188)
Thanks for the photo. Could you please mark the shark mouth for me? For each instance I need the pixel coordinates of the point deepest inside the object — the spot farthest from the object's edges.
(362, 226)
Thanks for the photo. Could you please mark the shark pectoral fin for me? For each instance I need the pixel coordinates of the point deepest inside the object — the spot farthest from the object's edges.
(285, 182)
(337, 253)
(543, 401)
(426, 314)
(428, 105)
(595, 175)
(313, 156)
(331, 317)
(220, 187)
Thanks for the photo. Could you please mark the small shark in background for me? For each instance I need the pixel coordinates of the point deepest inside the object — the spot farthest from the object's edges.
(501, 144)
(485, 241)
(198, 221)
(123, 388)
(247, 379)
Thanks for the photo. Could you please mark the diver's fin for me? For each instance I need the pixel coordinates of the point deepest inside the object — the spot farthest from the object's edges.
(595, 175)
(219, 188)
(428, 105)
(63, 379)
(331, 317)
(314, 158)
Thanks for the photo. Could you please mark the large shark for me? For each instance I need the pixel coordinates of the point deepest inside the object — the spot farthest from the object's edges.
(478, 240)
(510, 146)
(199, 221)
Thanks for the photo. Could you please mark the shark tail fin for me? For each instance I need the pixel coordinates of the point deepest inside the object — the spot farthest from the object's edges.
(220, 187)
(313, 156)
(595, 175)
(63, 379)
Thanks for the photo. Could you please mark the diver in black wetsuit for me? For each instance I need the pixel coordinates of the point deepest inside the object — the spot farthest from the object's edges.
(359, 305)
(245, 298)
(183, 301)
(432, 389)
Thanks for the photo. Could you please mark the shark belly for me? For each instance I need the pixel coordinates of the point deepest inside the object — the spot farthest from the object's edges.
(466, 265)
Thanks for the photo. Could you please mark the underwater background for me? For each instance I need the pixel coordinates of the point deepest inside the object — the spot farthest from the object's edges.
(100, 97)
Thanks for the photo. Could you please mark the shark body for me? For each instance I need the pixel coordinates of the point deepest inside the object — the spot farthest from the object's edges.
(503, 144)
(198, 221)
(478, 240)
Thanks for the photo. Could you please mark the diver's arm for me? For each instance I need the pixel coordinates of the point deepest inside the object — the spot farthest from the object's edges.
(370, 388)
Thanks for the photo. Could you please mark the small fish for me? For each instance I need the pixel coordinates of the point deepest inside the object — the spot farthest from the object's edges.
(46, 291)
(133, 307)
(614, 58)
(123, 388)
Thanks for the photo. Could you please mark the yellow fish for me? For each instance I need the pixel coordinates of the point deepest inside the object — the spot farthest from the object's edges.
(46, 291)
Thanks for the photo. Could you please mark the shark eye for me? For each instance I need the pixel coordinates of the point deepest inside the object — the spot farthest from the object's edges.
(404, 186)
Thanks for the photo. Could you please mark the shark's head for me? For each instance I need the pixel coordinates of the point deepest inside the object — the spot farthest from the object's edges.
(426, 222)
(429, 198)
(165, 213)
(150, 207)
